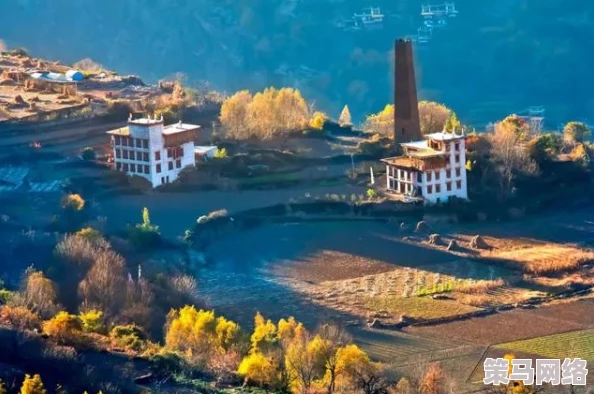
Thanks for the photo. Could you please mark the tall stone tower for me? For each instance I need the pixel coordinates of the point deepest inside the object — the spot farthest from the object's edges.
(407, 126)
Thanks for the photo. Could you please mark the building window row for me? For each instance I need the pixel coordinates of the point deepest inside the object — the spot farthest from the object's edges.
(131, 155)
(448, 174)
(131, 142)
(134, 168)
(174, 153)
(448, 187)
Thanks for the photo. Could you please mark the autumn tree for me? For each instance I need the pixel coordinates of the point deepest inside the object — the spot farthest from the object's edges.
(381, 123)
(259, 368)
(65, 328)
(345, 120)
(433, 117)
(433, 380)
(198, 334)
(32, 385)
(73, 202)
(509, 151)
(545, 147)
(576, 132)
(3, 387)
(234, 115)
(332, 337)
(39, 294)
(303, 361)
(318, 120)
(102, 286)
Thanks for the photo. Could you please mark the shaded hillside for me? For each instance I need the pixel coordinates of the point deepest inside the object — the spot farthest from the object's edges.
(496, 57)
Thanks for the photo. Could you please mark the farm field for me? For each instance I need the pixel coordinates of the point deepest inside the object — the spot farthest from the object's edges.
(570, 344)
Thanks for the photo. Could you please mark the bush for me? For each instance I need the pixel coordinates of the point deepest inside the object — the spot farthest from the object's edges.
(130, 337)
(318, 120)
(20, 317)
(64, 327)
(32, 385)
(73, 202)
(144, 235)
(221, 153)
(92, 321)
(89, 154)
(212, 216)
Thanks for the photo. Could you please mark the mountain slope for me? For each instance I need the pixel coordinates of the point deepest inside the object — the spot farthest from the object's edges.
(496, 57)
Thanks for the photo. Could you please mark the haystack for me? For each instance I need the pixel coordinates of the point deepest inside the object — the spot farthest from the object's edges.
(422, 227)
(453, 245)
(19, 100)
(435, 239)
(477, 242)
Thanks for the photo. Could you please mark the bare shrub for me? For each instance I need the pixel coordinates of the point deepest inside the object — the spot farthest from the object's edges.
(224, 366)
(185, 285)
(478, 300)
(76, 250)
(103, 284)
(39, 294)
(212, 216)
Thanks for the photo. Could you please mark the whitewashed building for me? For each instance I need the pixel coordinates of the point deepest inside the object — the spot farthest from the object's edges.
(432, 170)
(153, 151)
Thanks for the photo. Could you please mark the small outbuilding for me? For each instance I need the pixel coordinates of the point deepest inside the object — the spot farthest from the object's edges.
(205, 153)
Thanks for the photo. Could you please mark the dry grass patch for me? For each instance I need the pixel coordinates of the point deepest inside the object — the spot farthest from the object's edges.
(480, 287)
(476, 300)
(418, 307)
(547, 258)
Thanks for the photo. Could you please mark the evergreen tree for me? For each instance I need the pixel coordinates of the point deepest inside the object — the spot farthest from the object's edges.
(345, 117)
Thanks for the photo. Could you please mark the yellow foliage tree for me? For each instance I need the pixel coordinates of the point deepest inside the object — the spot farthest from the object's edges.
(576, 132)
(91, 235)
(73, 201)
(234, 112)
(92, 320)
(32, 385)
(264, 338)
(381, 123)
(2, 388)
(304, 362)
(64, 327)
(350, 360)
(198, 333)
(318, 120)
(289, 329)
(40, 294)
(259, 368)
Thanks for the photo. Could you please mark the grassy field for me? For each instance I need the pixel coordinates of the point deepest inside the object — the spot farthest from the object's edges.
(570, 344)
(418, 307)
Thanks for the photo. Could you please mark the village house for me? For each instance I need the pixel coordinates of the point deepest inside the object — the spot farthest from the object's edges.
(432, 170)
(153, 151)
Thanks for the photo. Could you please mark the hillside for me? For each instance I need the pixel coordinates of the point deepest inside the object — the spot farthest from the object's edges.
(497, 57)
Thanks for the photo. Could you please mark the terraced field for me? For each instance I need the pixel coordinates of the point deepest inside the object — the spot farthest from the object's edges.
(570, 344)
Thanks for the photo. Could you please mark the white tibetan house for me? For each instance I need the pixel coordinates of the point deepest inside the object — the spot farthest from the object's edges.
(153, 151)
(432, 170)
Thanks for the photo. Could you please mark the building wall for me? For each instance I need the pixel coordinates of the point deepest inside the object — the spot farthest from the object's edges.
(151, 156)
(434, 183)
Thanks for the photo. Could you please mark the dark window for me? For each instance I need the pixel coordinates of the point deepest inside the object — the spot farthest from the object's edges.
(125, 154)
(437, 174)
(457, 172)
(158, 168)
(459, 184)
(403, 131)
(145, 144)
(178, 163)
(146, 169)
(131, 142)
(170, 165)
(138, 143)
(124, 141)
(457, 158)
(457, 147)
(118, 153)
(429, 177)
(118, 166)
(448, 173)
(132, 167)
(419, 177)
(117, 139)
(169, 152)
(157, 155)
(449, 186)
(429, 189)
(126, 167)
(437, 188)
(145, 156)
(179, 152)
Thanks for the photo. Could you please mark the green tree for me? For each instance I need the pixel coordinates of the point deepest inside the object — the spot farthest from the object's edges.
(576, 132)
(545, 146)
(32, 385)
(89, 154)
(371, 194)
(144, 235)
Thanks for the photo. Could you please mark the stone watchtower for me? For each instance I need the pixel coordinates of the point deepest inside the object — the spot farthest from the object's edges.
(406, 106)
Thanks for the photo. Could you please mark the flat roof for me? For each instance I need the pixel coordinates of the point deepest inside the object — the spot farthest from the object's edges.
(51, 77)
(145, 121)
(416, 144)
(178, 128)
(122, 131)
(426, 153)
(444, 136)
(204, 149)
(400, 161)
